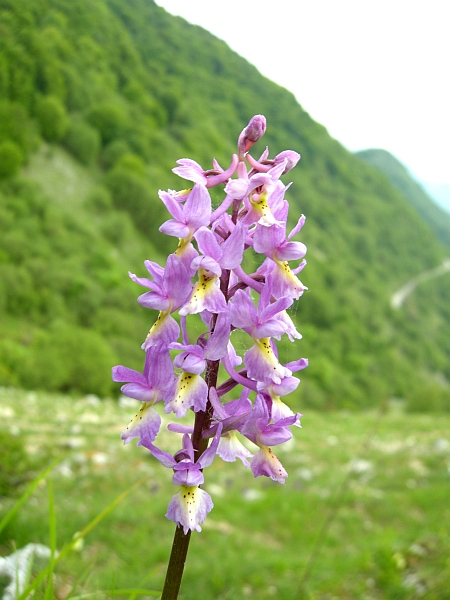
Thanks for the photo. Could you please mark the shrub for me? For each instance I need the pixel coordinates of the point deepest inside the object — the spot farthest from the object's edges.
(114, 151)
(52, 118)
(15, 125)
(431, 397)
(110, 119)
(132, 163)
(83, 141)
(131, 193)
(11, 158)
(100, 199)
(72, 358)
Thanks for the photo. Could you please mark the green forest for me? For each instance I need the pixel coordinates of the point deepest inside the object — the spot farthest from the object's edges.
(98, 99)
(398, 175)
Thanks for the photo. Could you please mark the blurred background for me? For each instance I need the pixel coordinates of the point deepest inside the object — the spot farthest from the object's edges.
(98, 99)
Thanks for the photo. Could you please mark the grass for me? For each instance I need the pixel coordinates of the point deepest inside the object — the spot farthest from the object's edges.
(363, 514)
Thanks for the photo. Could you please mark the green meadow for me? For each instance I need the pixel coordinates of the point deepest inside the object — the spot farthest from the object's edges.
(364, 513)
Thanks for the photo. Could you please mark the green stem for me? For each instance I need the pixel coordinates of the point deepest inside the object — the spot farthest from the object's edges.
(180, 544)
(202, 422)
(175, 568)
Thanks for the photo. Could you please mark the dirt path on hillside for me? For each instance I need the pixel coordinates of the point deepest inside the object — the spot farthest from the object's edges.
(398, 298)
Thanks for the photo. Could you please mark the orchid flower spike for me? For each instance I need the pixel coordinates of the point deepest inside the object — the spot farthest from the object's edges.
(191, 366)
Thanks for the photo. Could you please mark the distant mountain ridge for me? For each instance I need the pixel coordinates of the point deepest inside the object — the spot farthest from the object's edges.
(413, 191)
(98, 99)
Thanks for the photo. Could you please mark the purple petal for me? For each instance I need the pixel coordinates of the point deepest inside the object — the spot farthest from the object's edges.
(177, 281)
(144, 281)
(273, 328)
(259, 180)
(291, 251)
(289, 420)
(275, 308)
(190, 170)
(197, 209)
(289, 158)
(287, 385)
(297, 365)
(153, 300)
(237, 188)
(297, 228)
(190, 363)
(175, 229)
(155, 270)
(120, 373)
(139, 392)
(219, 411)
(266, 240)
(273, 435)
(189, 477)
(237, 376)
(257, 421)
(217, 345)
(208, 455)
(164, 458)
(277, 170)
(242, 310)
(300, 267)
(233, 248)
(191, 348)
(207, 263)
(234, 359)
(172, 206)
(207, 243)
(158, 370)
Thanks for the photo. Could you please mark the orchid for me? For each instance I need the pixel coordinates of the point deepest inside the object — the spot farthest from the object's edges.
(206, 275)
(155, 384)
(170, 288)
(261, 432)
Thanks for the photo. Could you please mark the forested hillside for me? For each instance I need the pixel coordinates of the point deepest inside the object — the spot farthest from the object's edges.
(434, 215)
(98, 99)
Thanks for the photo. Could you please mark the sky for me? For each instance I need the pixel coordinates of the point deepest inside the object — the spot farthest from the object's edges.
(375, 74)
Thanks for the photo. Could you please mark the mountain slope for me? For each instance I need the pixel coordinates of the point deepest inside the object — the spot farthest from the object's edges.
(415, 194)
(118, 91)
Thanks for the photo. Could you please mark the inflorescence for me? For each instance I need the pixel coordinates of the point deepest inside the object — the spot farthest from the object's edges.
(211, 248)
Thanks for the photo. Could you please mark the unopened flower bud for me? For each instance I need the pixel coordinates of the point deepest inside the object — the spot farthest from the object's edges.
(256, 128)
(251, 134)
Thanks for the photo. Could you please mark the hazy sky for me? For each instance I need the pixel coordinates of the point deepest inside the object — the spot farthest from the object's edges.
(375, 74)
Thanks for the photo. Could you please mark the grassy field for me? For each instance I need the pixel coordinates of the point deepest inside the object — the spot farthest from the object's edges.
(365, 512)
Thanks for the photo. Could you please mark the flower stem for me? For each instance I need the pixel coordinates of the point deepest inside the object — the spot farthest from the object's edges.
(176, 564)
(180, 544)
